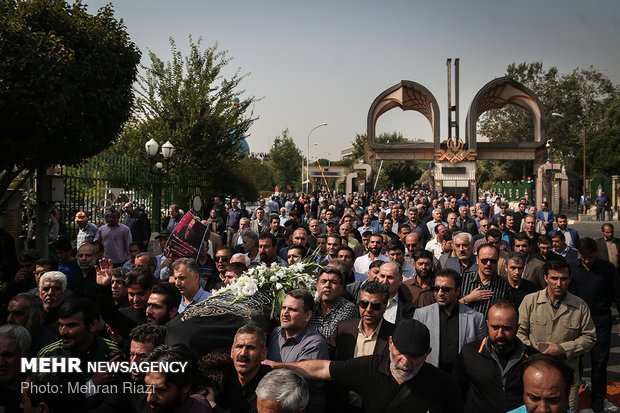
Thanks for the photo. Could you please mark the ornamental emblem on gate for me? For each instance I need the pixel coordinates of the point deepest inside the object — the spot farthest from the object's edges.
(455, 152)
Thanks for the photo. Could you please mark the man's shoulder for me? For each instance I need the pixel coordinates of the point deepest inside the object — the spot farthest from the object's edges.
(571, 300)
(426, 311)
(51, 350)
(534, 298)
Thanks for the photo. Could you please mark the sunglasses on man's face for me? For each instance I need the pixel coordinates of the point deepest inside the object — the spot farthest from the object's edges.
(488, 260)
(374, 305)
(222, 258)
(438, 288)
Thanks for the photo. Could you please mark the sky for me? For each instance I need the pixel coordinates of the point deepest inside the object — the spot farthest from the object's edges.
(326, 61)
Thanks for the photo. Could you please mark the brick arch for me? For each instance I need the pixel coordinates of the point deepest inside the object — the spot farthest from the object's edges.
(498, 93)
(406, 95)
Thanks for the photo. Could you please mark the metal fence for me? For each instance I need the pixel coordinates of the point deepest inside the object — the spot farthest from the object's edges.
(107, 181)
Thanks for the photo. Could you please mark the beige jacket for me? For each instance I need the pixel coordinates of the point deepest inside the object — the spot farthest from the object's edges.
(571, 326)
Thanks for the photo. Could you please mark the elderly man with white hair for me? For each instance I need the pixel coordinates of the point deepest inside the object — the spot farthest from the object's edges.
(282, 391)
(15, 343)
(464, 260)
(52, 290)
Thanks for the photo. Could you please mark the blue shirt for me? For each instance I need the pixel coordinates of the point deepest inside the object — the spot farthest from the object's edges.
(69, 269)
(200, 296)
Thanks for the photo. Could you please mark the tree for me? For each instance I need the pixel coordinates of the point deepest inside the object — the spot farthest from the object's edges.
(189, 102)
(393, 173)
(66, 81)
(286, 159)
(580, 96)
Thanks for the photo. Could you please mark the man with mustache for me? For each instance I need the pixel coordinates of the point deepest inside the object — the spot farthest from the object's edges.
(331, 307)
(375, 245)
(84, 284)
(400, 381)
(488, 370)
(249, 349)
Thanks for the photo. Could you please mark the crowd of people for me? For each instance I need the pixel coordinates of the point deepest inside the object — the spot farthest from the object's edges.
(423, 302)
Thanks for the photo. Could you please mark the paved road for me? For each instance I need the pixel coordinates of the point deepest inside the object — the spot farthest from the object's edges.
(593, 229)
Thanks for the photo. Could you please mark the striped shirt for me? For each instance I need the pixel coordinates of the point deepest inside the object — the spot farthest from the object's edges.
(98, 351)
(500, 287)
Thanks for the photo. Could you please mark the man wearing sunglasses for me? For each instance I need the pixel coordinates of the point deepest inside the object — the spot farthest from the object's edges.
(364, 336)
(367, 334)
(450, 323)
(482, 287)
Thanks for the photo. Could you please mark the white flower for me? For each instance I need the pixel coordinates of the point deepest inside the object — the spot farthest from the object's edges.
(278, 286)
(273, 278)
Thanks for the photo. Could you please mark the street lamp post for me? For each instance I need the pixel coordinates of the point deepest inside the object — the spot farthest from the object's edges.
(308, 155)
(159, 169)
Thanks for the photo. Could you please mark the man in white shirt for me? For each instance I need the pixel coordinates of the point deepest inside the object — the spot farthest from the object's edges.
(375, 246)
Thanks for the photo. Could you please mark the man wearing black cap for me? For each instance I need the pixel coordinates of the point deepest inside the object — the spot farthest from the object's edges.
(400, 381)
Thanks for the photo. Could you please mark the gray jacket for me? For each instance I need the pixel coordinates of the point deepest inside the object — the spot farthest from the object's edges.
(472, 327)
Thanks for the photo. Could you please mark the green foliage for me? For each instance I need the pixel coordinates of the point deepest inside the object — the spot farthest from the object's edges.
(189, 102)
(66, 81)
(286, 160)
(581, 96)
(393, 173)
(253, 176)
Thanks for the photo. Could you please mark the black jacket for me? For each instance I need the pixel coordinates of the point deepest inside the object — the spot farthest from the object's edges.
(479, 377)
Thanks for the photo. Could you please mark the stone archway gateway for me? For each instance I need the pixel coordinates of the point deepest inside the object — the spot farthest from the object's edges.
(455, 159)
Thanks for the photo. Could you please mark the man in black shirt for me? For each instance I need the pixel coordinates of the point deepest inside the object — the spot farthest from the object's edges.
(400, 381)
(515, 263)
(596, 282)
(488, 370)
(249, 349)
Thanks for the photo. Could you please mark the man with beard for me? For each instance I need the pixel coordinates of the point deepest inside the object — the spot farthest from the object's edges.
(450, 323)
(52, 290)
(400, 381)
(248, 351)
(15, 343)
(464, 261)
(26, 310)
(170, 392)
(375, 245)
(85, 283)
(139, 282)
(163, 304)
(421, 285)
(396, 253)
(267, 249)
(489, 370)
